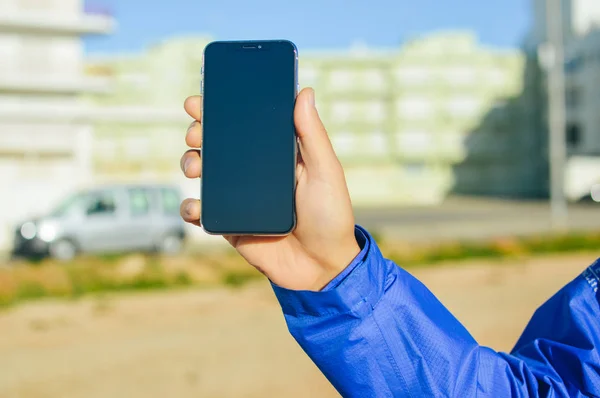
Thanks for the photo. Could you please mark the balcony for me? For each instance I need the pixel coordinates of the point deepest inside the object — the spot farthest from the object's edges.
(16, 84)
(92, 21)
(82, 112)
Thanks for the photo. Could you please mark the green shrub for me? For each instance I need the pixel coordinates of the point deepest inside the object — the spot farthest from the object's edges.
(237, 279)
(96, 275)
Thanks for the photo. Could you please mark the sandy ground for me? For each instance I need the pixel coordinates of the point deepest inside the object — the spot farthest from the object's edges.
(231, 343)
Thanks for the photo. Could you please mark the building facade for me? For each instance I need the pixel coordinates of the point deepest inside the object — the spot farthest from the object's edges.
(400, 120)
(44, 148)
(581, 27)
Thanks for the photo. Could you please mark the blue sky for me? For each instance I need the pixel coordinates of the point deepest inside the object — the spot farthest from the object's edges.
(311, 24)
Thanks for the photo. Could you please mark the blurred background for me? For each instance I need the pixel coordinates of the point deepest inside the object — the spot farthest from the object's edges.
(469, 132)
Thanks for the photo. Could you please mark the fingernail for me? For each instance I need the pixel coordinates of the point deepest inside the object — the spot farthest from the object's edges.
(311, 97)
(191, 126)
(187, 164)
(189, 208)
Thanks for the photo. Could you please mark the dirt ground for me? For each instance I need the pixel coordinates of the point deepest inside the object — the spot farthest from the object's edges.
(231, 343)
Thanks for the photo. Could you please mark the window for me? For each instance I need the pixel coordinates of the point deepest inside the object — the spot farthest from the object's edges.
(342, 78)
(138, 202)
(574, 64)
(137, 147)
(101, 204)
(344, 142)
(415, 142)
(413, 74)
(463, 106)
(170, 201)
(573, 134)
(136, 79)
(35, 55)
(307, 76)
(414, 169)
(68, 206)
(415, 107)
(573, 97)
(377, 143)
(106, 148)
(9, 52)
(452, 142)
(31, 5)
(496, 76)
(460, 75)
(374, 79)
(341, 111)
(375, 111)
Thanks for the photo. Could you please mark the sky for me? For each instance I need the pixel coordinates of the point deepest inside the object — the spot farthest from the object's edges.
(311, 24)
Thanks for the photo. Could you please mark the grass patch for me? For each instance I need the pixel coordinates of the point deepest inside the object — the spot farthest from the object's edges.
(498, 248)
(104, 274)
(238, 279)
(137, 272)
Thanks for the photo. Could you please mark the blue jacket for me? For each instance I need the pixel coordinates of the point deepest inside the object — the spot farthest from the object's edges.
(376, 331)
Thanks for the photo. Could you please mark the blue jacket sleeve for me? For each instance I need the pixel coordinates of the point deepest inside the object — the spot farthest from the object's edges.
(376, 331)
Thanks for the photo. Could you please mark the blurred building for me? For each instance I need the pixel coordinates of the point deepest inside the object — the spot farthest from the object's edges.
(581, 27)
(399, 119)
(139, 129)
(44, 148)
(151, 87)
(580, 17)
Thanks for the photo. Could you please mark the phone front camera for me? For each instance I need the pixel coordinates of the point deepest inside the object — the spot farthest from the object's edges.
(259, 46)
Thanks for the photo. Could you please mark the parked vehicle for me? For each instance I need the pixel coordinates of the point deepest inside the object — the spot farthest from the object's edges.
(582, 179)
(112, 219)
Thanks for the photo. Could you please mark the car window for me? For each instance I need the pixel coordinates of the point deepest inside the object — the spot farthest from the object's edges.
(139, 203)
(170, 201)
(68, 206)
(101, 204)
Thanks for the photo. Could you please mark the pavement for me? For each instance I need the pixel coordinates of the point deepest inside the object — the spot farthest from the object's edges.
(225, 343)
(458, 218)
(474, 218)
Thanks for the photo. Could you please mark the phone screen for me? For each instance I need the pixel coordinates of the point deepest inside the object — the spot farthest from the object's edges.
(249, 140)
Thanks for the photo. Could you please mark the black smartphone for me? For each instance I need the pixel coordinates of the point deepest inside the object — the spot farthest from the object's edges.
(249, 141)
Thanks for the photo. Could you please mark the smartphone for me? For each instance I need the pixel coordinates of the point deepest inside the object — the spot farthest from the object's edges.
(249, 143)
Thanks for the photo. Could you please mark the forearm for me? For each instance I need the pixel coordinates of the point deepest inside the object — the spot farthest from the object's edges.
(377, 331)
(380, 332)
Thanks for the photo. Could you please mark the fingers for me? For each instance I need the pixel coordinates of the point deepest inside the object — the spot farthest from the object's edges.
(190, 211)
(317, 152)
(193, 137)
(191, 164)
(193, 106)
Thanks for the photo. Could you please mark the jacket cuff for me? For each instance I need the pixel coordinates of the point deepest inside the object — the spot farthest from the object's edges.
(356, 289)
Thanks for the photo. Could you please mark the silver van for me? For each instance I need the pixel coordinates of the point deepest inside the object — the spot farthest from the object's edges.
(111, 219)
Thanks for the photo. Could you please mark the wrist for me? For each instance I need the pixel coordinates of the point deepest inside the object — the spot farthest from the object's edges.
(336, 265)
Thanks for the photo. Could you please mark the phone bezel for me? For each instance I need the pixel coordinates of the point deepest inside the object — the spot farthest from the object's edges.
(240, 46)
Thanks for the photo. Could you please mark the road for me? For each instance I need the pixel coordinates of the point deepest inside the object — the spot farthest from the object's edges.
(233, 343)
(467, 218)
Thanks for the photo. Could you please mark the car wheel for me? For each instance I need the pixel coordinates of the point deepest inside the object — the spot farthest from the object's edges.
(63, 250)
(171, 244)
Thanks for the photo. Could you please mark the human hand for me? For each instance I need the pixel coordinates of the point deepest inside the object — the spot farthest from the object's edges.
(323, 242)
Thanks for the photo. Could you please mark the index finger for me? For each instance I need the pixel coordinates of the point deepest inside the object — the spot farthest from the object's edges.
(192, 106)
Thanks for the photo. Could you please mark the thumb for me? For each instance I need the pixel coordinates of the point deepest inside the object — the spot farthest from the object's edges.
(315, 146)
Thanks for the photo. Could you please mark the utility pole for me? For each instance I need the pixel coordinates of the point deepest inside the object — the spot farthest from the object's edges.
(556, 113)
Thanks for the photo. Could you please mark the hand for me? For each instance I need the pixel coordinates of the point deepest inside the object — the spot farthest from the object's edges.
(323, 242)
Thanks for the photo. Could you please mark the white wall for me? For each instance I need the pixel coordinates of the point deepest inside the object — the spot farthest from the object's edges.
(586, 16)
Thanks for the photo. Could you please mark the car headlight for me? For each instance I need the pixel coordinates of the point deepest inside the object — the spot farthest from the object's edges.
(47, 231)
(28, 230)
(595, 193)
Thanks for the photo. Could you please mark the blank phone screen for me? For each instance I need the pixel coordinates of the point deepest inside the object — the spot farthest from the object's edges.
(249, 141)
